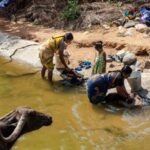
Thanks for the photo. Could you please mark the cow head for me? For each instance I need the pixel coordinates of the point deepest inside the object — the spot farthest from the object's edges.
(21, 120)
(35, 120)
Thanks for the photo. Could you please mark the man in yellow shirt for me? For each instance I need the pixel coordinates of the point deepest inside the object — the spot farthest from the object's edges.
(56, 44)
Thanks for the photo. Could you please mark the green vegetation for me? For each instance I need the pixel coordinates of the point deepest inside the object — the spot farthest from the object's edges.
(71, 11)
(37, 22)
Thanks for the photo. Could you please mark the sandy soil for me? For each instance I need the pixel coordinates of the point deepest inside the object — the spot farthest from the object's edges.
(82, 47)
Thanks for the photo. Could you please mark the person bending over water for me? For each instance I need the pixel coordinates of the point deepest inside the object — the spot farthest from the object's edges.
(56, 44)
(70, 76)
(98, 85)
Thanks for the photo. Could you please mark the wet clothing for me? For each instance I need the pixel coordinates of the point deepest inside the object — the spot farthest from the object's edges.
(48, 49)
(98, 85)
(99, 66)
(71, 76)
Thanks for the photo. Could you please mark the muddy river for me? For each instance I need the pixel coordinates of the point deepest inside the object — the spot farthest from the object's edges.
(77, 125)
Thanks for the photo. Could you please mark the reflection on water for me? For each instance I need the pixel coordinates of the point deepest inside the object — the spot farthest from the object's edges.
(77, 125)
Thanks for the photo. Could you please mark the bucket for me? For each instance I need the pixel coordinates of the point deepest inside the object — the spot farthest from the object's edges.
(135, 81)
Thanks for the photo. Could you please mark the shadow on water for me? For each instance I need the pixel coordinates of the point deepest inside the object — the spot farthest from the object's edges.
(61, 86)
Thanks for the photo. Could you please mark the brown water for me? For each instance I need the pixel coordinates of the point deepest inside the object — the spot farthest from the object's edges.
(77, 125)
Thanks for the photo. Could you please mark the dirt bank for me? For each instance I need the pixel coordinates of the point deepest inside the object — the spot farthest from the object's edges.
(82, 47)
(60, 14)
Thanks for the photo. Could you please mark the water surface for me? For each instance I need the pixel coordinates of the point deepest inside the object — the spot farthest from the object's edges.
(77, 125)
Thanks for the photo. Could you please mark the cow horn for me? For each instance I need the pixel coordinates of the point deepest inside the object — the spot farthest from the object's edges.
(7, 116)
(16, 131)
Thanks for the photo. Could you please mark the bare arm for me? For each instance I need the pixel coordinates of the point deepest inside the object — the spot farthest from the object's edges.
(61, 55)
(104, 55)
(121, 90)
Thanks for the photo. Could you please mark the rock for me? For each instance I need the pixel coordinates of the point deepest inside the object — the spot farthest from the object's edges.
(37, 22)
(118, 22)
(122, 53)
(13, 18)
(71, 26)
(121, 34)
(129, 59)
(111, 66)
(128, 33)
(20, 49)
(86, 32)
(146, 36)
(147, 65)
(142, 53)
(22, 20)
(115, 24)
(106, 27)
(131, 29)
(90, 25)
(108, 59)
(129, 24)
(121, 31)
(141, 28)
(147, 31)
(120, 47)
(137, 19)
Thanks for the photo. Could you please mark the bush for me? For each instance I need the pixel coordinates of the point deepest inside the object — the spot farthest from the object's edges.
(71, 11)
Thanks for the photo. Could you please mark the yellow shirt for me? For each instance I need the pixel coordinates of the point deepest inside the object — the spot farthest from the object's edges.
(50, 47)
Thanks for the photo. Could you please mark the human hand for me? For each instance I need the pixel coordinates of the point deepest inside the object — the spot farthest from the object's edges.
(132, 95)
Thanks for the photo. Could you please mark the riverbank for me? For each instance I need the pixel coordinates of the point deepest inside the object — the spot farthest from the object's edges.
(80, 49)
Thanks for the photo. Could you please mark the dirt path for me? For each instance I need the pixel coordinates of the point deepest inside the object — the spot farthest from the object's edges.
(82, 47)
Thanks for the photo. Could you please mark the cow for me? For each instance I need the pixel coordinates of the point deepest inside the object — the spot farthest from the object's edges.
(20, 121)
